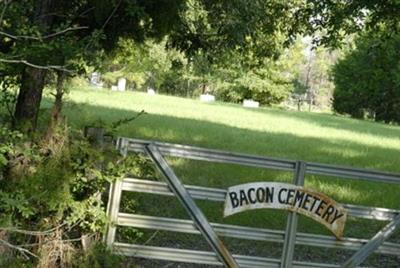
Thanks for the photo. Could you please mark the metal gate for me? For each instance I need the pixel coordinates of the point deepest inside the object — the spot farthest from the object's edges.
(211, 231)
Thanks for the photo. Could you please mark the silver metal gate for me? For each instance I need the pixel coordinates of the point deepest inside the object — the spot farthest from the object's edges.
(211, 231)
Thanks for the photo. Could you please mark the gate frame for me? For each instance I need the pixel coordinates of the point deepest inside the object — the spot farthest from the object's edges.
(156, 150)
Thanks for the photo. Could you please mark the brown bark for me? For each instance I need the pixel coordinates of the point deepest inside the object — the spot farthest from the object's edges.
(33, 79)
(29, 98)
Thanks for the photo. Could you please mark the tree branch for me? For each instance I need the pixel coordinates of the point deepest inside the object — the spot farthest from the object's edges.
(34, 233)
(64, 31)
(112, 14)
(50, 241)
(45, 67)
(23, 251)
(4, 10)
(39, 38)
(85, 12)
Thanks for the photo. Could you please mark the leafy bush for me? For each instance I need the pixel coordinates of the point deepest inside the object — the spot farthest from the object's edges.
(8, 97)
(58, 187)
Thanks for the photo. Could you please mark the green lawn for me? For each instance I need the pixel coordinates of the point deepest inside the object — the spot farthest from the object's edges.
(271, 132)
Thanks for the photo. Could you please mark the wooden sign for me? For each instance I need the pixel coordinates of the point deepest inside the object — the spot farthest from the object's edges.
(290, 197)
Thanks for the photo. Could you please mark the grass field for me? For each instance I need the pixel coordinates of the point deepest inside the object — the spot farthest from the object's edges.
(270, 132)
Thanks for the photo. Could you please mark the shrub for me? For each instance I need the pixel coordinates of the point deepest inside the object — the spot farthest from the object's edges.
(57, 187)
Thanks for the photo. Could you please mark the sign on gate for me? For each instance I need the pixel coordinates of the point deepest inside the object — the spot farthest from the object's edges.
(290, 197)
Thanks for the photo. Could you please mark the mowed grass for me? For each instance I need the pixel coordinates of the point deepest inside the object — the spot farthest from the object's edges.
(271, 132)
(268, 132)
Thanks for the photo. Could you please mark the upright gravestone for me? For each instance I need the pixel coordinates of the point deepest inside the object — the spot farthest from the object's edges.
(121, 84)
(95, 79)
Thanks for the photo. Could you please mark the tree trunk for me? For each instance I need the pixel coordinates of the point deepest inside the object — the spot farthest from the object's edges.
(56, 112)
(55, 118)
(33, 79)
(29, 98)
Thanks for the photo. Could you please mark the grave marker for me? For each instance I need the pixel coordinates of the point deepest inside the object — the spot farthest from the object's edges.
(121, 84)
(251, 104)
(207, 98)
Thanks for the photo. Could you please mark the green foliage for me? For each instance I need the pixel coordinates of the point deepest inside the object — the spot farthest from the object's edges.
(8, 138)
(312, 80)
(14, 203)
(8, 97)
(47, 185)
(367, 79)
(99, 256)
(171, 72)
(267, 86)
(143, 65)
(87, 30)
(252, 30)
(331, 22)
(319, 75)
(33, 39)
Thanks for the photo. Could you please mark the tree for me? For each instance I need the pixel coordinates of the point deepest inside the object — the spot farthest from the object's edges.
(367, 80)
(142, 64)
(252, 30)
(35, 34)
(314, 83)
(269, 83)
(43, 36)
(333, 21)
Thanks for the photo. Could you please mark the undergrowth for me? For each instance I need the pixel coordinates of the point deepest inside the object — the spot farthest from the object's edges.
(52, 199)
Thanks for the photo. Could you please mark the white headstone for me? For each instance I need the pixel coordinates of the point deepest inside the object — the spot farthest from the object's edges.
(114, 88)
(151, 91)
(207, 98)
(95, 79)
(121, 84)
(251, 104)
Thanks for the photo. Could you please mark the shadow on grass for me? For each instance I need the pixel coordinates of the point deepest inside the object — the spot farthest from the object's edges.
(221, 136)
(336, 122)
(282, 145)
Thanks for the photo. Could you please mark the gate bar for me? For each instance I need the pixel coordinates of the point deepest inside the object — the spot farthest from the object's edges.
(250, 233)
(218, 195)
(195, 213)
(219, 156)
(291, 226)
(373, 244)
(113, 209)
(206, 257)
